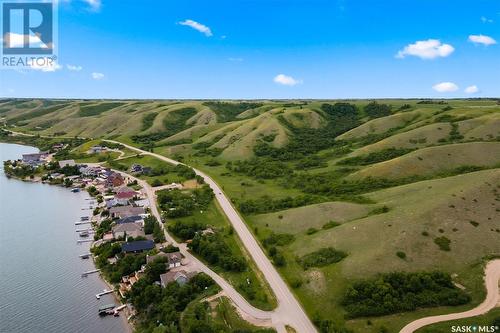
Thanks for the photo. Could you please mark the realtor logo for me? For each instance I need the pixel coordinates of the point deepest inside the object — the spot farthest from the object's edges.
(28, 34)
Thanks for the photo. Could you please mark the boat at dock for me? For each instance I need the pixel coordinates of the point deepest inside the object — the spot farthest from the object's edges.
(84, 233)
(105, 310)
(85, 255)
(75, 190)
(84, 218)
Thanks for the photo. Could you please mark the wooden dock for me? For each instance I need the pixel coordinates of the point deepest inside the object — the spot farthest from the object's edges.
(84, 274)
(84, 241)
(105, 292)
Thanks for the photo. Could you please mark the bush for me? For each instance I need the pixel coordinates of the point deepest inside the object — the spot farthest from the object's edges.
(311, 231)
(329, 225)
(443, 243)
(322, 257)
(401, 254)
(400, 292)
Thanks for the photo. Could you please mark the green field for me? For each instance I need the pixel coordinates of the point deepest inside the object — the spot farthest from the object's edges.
(420, 174)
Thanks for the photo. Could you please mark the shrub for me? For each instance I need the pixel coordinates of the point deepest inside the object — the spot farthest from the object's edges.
(401, 254)
(331, 224)
(321, 257)
(443, 243)
(311, 231)
(400, 292)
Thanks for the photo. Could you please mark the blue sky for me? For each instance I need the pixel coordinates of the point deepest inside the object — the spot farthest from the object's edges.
(243, 49)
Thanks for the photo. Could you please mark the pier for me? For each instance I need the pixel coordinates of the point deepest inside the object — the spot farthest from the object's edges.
(84, 241)
(84, 274)
(83, 222)
(105, 292)
(85, 230)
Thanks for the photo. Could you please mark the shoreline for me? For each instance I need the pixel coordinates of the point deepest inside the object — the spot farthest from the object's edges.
(128, 326)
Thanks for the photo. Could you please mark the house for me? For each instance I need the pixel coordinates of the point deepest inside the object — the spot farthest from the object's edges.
(35, 159)
(174, 259)
(180, 276)
(123, 198)
(90, 171)
(136, 168)
(97, 149)
(111, 203)
(128, 281)
(114, 180)
(131, 219)
(64, 163)
(138, 246)
(127, 230)
(58, 146)
(142, 203)
(126, 211)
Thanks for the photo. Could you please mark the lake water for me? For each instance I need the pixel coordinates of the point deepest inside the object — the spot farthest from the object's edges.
(41, 288)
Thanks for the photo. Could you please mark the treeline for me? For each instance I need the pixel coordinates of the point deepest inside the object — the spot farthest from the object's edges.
(267, 204)
(173, 123)
(159, 309)
(215, 251)
(176, 203)
(375, 157)
(260, 168)
(400, 292)
(228, 111)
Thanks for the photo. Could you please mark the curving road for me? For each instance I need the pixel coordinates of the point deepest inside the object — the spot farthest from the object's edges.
(491, 280)
(289, 311)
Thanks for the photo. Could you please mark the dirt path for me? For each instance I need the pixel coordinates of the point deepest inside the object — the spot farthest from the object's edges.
(491, 280)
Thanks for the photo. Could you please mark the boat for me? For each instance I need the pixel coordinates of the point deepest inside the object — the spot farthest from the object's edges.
(106, 309)
(84, 234)
(84, 218)
(75, 190)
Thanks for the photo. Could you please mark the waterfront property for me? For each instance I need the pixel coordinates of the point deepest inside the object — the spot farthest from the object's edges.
(138, 246)
(126, 211)
(127, 230)
(180, 276)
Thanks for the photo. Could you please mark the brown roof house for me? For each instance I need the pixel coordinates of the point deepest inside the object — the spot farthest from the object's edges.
(180, 276)
(126, 211)
(174, 259)
(127, 230)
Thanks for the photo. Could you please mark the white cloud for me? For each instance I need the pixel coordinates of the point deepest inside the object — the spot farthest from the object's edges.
(197, 26)
(482, 39)
(17, 40)
(486, 20)
(46, 68)
(445, 87)
(235, 59)
(74, 68)
(471, 89)
(97, 76)
(286, 80)
(426, 49)
(94, 4)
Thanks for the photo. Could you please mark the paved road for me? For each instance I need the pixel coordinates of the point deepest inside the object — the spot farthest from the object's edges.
(247, 311)
(491, 280)
(289, 311)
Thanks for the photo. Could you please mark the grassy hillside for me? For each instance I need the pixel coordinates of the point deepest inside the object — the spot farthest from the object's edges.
(391, 185)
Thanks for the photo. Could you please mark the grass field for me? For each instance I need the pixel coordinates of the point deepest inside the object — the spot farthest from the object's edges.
(455, 204)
